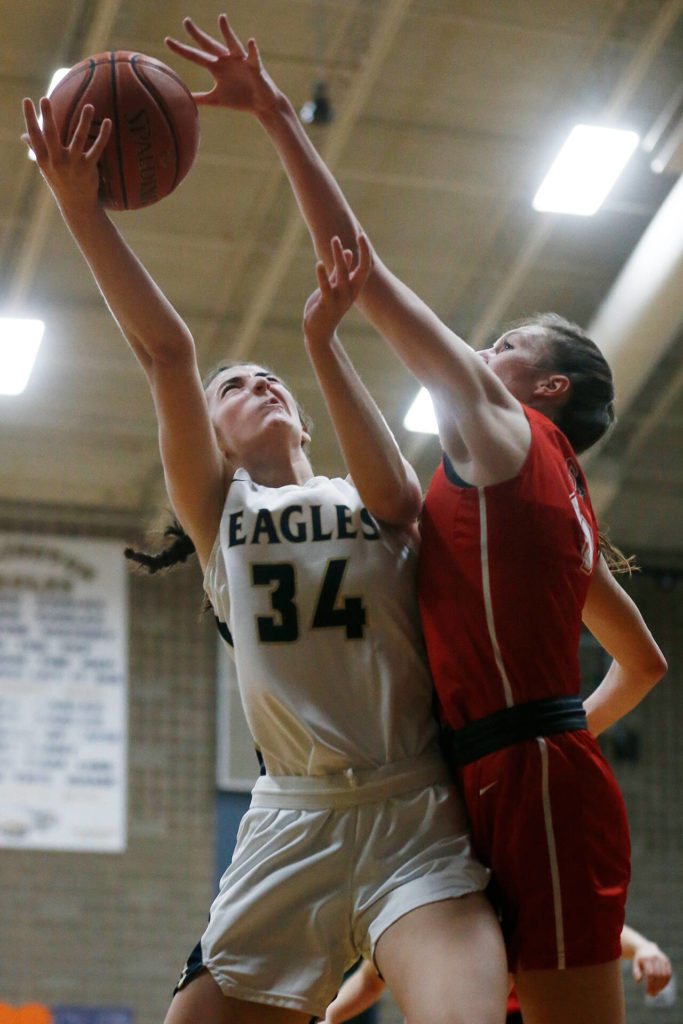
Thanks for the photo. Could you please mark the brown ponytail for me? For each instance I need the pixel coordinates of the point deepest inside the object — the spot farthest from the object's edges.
(177, 552)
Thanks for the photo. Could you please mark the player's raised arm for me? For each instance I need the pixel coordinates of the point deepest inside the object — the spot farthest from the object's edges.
(478, 418)
(387, 484)
(155, 332)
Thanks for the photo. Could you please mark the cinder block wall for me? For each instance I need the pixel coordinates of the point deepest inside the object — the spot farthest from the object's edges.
(652, 785)
(114, 929)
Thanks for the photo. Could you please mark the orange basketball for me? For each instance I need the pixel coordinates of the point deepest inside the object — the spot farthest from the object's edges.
(155, 125)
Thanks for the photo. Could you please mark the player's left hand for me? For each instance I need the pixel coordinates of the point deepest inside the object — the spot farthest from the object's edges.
(241, 81)
(336, 292)
(650, 963)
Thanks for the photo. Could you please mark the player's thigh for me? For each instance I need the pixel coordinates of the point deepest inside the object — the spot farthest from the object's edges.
(445, 963)
(202, 1002)
(577, 995)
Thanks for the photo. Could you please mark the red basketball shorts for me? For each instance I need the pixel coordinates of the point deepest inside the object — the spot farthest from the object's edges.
(549, 819)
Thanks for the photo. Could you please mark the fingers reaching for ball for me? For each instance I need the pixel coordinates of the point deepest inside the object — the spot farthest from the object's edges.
(337, 290)
(45, 139)
(84, 134)
(33, 136)
(240, 80)
(70, 169)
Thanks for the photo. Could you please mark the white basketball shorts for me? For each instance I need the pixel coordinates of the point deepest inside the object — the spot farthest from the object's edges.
(323, 866)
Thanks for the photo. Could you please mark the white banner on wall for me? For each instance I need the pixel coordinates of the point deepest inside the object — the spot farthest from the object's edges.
(63, 693)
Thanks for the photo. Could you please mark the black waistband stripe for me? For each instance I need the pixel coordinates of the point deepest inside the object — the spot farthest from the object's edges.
(512, 725)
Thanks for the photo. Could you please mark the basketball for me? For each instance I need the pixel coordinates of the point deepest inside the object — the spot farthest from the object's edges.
(155, 124)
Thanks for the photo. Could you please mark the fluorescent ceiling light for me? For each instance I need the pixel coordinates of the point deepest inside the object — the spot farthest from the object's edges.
(420, 417)
(19, 342)
(54, 81)
(585, 169)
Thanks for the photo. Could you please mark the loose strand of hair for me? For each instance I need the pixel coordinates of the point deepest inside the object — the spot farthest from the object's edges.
(617, 562)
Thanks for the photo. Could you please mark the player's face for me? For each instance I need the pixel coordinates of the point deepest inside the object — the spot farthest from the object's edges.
(516, 359)
(250, 407)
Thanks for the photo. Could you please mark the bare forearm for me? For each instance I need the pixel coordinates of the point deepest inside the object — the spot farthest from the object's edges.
(631, 942)
(616, 623)
(411, 328)
(327, 213)
(360, 991)
(618, 693)
(387, 484)
(149, 322)
(320, 199)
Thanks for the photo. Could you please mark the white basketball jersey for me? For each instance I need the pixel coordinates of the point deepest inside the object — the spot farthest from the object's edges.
(320, 603)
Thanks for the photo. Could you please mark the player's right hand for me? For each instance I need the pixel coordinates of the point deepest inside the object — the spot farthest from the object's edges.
(71, 170)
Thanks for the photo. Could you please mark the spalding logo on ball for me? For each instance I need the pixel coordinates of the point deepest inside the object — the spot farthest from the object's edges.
(155, 124)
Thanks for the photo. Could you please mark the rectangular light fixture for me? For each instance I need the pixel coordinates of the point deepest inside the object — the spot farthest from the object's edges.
(19, 343)
(420, 417)
(585, 169)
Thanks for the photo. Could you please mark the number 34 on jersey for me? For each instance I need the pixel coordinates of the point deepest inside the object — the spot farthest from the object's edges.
(332, 609)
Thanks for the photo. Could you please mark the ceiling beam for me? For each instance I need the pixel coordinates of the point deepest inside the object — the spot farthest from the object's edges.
(634, 326)
(644, 308)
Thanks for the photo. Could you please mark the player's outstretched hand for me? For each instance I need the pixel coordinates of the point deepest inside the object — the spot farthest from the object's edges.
(336, 292)
(70, 171)
(240, 80)
(650, 963)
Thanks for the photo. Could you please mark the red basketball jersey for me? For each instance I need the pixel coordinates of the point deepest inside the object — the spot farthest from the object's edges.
(504, 572)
